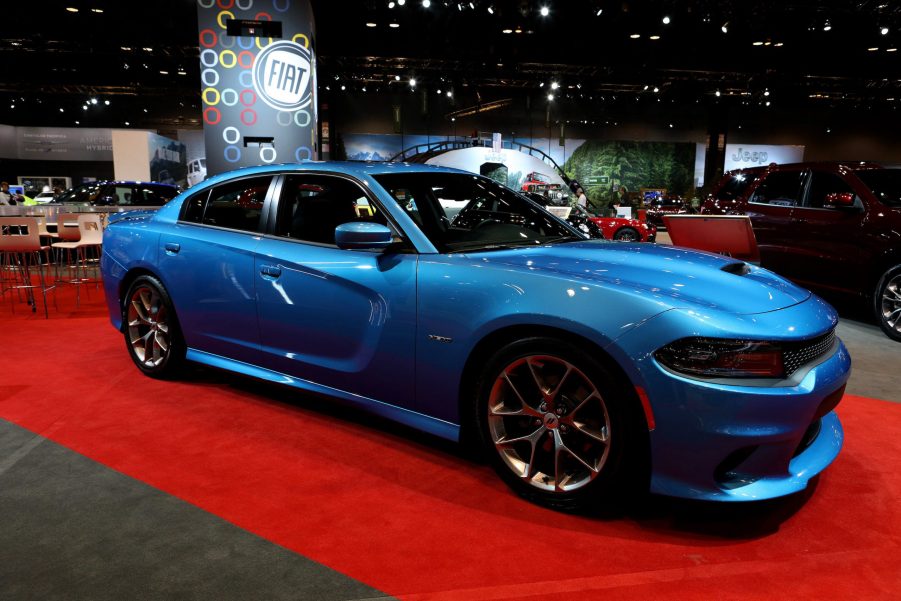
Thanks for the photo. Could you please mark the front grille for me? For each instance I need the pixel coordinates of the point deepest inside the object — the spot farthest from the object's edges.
(801, 353)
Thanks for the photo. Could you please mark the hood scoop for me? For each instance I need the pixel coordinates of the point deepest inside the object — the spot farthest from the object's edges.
(737, 268)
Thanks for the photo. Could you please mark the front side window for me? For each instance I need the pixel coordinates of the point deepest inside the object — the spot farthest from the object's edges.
(312, 206)
(488, 215)
(736, 186)
(235, 205)
(823, 184)
(780, 188)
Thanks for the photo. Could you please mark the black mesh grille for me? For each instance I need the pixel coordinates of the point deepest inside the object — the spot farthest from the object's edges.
(800, 353)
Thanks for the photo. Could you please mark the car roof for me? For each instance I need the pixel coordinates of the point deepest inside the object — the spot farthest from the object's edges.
(852, 165)
(356, 168)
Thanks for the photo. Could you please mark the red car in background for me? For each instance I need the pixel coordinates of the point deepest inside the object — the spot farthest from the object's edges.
(620, 228)
(834, 227)
(668, 205)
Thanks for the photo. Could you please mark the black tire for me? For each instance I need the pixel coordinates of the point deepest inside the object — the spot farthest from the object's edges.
(887, 303)
(152, 334)
(627, 234)
(515, 421)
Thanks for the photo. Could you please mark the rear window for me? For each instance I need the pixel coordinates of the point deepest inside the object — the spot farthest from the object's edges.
(884, 183)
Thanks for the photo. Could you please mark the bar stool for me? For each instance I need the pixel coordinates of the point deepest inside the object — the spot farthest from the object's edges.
(20, 252)
(90, 234)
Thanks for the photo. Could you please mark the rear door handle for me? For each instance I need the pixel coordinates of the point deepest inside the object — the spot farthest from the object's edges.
(172, 248)
(270, 271)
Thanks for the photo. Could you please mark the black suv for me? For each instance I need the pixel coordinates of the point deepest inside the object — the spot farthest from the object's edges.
(119, 194)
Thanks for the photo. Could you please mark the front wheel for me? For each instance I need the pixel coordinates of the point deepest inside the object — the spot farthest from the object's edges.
(152, 334)
(888, 303)
(626, 234)
(556, 424)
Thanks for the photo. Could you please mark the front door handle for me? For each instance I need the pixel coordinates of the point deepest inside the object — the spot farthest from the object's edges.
(270, 271)
(172, 248)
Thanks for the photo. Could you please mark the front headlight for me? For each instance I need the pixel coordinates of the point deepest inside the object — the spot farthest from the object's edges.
(719, 358)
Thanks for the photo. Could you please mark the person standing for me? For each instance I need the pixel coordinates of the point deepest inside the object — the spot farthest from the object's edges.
(581, 199)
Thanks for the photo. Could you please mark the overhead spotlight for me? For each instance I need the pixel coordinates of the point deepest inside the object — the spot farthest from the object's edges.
(71, 9)
(766, 92)
(554, 85)
(646, 86)
(62, 110)
(891, 50)
(450, 94)
(426, 3)
(827, 26)
(768, 103)
(654, 37)
(397, 78)
(506, 31)
(758, 43)
(93, 101)
(883, 30)
(545, 11)
(127, 123)
(84, 107)
(666, 20)
(106, 102)
(412, 82)
(779, 44)
(656, 89)
(725, 27)
(598, 14)
(718, 94)
(393, 25)
(343, 87)
(370, 24)
(391, 5)
(873, 49)
(490, 10)
(635, 36)
(401, 2)
(97, 10)
(549, 97)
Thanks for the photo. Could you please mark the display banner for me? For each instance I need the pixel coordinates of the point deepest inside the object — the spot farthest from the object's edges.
(739, 156)
(64, 144)
(259, 87)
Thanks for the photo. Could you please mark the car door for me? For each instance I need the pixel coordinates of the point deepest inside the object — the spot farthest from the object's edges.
(770, 208)
(345, 319)
(207, 263)
(825, 240)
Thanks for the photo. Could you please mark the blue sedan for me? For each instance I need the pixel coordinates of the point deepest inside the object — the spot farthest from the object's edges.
(584, 368)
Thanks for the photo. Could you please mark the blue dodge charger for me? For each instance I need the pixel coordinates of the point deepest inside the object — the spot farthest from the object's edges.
(445, 301)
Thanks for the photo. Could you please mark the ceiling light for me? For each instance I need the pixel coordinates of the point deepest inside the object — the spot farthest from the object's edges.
(370, 24)
(718, 94)
(549, 97)
(666, 20)
(106, 102)
(891, 50)
(426, 3)
(518, 30)
(545, 11)
(598, 14)
(883, 30)
(391, 5)
(96, 10)
(554, 85)
(490, 10)
(507, 31)
(766, 92)
(148, 49)
(84, 107)
(401, 2)
(725, 27)
(654, 37)
(393, 25)
(635, 36)
(343, 87)
(758, 44)
(827, 26)
(71, 10)
(78, 123)
(873, 49)
(768, 103)
(62, 110)
(397, 78)
(127, 123)
(93, 101)
(162, 72)
(412, 82)
(450, 94)
(646, 86)
(656, 89)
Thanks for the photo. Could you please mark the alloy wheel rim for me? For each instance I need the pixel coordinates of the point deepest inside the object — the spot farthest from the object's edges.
(628, 236)
(891, 303)
(148, 326)
(549, 423)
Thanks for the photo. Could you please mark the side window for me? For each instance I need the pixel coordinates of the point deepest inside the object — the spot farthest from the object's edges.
(822, 184)
(312, 206)
(236, 205)
(781, 188)
(157, 197)
(736, 185)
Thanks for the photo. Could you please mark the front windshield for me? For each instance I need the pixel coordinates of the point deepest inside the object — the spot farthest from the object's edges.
(459, 212)
(884, 183)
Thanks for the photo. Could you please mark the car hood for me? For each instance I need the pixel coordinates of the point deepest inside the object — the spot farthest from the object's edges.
(679, 277)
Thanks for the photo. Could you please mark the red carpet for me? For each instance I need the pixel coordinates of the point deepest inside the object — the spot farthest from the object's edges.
(408, 515)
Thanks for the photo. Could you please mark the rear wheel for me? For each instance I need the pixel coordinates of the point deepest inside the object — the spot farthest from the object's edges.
(152, 334)
(627, 234)
(555, 424)
(888, 303)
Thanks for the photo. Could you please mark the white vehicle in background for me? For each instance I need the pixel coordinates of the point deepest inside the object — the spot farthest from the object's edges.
(196, 171)
(44, 197)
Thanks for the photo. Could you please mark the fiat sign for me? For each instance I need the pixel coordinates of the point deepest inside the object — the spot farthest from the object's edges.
(281, 76)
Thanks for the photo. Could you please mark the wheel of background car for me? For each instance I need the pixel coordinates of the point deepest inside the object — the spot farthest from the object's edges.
(152, 334)
(888, 303)
(627, 234)
(554, 424)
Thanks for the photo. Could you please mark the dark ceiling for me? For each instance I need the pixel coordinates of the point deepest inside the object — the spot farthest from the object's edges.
(142, 57)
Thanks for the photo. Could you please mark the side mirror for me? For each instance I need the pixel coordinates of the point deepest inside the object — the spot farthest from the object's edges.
(362, 235)
(840, 200)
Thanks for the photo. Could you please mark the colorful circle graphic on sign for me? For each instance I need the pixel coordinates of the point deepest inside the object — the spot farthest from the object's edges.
(281, 76)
